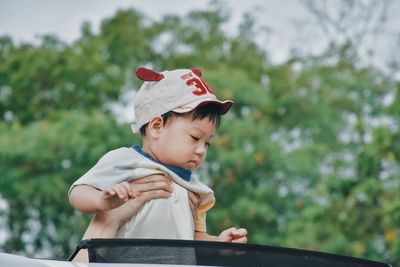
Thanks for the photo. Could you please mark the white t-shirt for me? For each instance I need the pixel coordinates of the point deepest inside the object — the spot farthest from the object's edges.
(160, 218)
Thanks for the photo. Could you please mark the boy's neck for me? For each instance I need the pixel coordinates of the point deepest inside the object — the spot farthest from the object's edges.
(147, 149)
(181, 172)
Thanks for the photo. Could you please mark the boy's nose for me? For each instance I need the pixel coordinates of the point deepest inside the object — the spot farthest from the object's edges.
(201, 149)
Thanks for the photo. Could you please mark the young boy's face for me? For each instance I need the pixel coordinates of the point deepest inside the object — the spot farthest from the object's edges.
(184, 141)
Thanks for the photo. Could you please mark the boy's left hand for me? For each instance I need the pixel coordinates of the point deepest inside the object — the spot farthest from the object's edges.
(234, 235)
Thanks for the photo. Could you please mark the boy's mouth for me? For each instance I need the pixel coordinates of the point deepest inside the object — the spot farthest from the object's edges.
(194, 163)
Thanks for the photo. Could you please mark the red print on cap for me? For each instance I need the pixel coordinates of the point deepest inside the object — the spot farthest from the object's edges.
(202, 87)
(196, 71)
(148, 75)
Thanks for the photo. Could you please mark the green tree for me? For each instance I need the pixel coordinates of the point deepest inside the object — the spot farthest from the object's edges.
(39, 163)
(307, 158)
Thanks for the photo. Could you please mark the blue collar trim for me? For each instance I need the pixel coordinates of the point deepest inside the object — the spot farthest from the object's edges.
(181, 172)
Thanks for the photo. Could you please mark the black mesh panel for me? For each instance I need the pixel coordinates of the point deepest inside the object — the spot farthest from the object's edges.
(182, 252)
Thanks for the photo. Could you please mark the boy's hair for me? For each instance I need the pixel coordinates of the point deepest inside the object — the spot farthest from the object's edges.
(210, 110)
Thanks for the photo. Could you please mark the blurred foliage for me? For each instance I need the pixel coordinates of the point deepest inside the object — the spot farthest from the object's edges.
(308, 157)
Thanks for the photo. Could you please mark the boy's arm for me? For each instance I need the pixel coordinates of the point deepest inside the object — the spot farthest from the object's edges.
(231, 235)
(88, 199)
(204, 236)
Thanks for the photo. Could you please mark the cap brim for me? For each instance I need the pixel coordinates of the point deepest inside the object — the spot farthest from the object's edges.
(224, 105)
(134, 128)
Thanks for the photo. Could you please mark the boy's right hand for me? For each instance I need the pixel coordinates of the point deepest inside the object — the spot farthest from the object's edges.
(116, 195)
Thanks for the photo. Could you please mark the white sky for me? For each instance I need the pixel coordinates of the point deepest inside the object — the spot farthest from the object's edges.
(24, 20)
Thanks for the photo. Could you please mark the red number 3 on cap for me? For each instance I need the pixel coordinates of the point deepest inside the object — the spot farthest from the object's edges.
(201, 86)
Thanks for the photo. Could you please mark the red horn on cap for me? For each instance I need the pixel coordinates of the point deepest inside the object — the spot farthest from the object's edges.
(196, 71)
(148, 75)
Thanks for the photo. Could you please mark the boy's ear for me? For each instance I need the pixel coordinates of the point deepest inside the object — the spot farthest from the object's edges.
(155, 127)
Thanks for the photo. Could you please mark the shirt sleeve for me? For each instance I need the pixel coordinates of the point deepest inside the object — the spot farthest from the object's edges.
(200, 218)
(117, 166)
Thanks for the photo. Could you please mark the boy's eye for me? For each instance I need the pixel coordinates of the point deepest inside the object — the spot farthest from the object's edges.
(194, 138)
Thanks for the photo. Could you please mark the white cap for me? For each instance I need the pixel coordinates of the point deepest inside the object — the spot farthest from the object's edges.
(179, 90)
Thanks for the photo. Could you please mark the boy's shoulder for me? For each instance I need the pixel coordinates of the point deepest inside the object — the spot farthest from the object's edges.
(121, 150)
(118, 154)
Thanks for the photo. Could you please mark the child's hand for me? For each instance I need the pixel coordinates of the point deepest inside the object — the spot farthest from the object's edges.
(122, 191)
(144, 190)
(116, 195)
(233, 235)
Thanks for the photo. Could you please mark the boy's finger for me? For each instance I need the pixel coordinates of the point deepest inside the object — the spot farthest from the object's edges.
(240, 232)
(240, 240)
(128, 188)
(121, 192)
(108, 193)
(231, 230)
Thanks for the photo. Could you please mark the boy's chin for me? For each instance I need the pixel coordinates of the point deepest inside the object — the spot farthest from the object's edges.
(189, 169)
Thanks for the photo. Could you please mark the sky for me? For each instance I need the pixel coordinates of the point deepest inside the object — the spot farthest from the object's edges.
(25, 20)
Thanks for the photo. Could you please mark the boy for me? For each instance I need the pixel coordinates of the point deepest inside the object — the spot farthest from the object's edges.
(177, 114)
